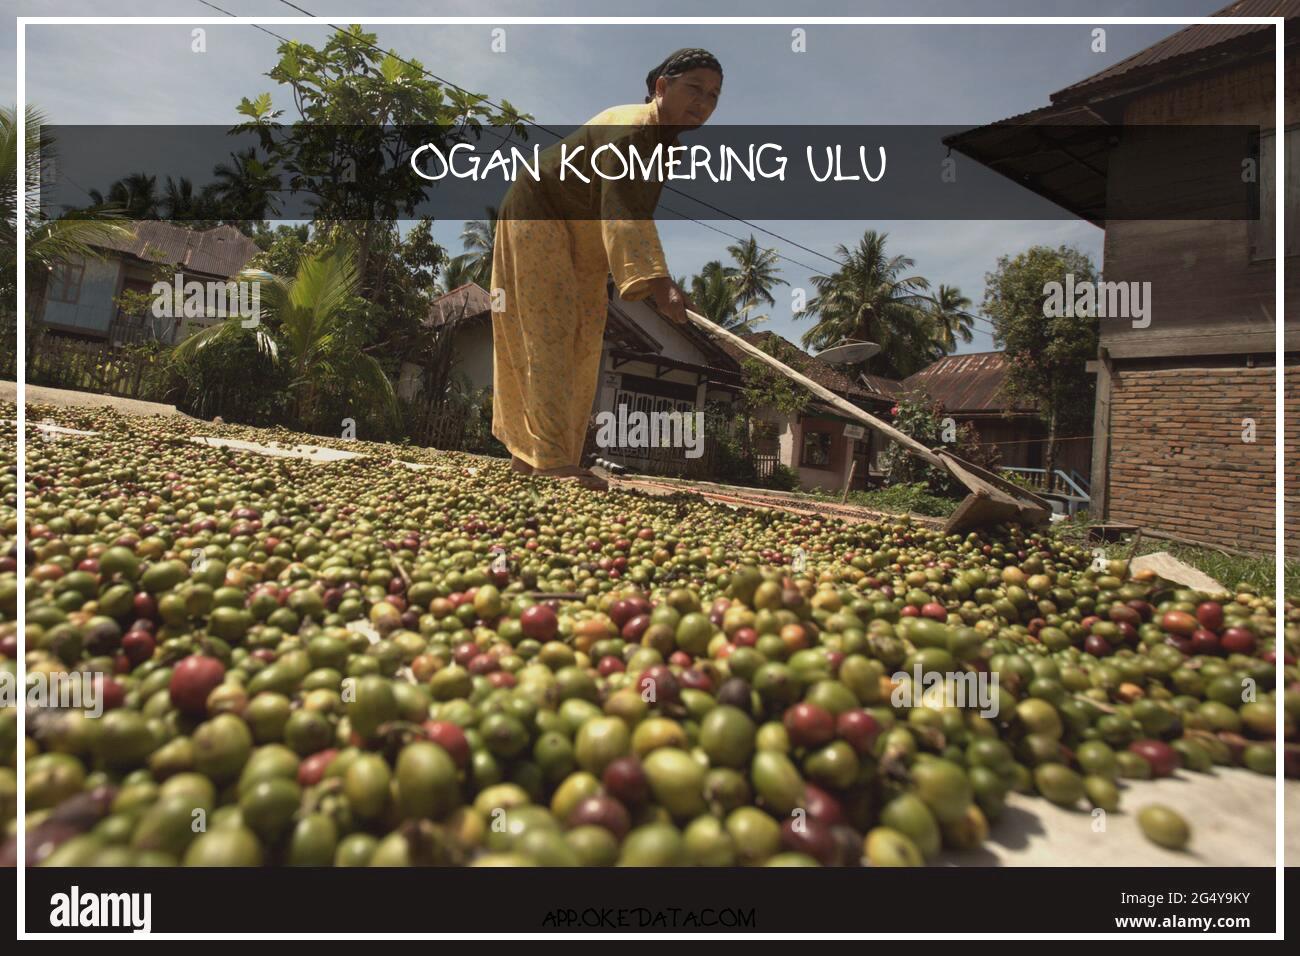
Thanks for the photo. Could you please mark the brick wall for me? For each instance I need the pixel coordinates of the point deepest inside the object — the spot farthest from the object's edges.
(1178, 463)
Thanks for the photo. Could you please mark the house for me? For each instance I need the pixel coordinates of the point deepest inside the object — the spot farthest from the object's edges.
(647, 365)
(819, 444)
(969, 389)
(1184, 425)
(80, 296)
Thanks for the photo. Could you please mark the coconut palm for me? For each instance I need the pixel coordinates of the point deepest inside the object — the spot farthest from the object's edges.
(180, 201)
(873, 297)
(755, 273)
(715, 296)
(478, 236)
(310, 314)
(136, 194)
(74, 236)
(952, 320)
(456, 272)
(245, 188)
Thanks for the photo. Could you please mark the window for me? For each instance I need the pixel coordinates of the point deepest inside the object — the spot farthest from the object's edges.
(65, 282)
(816, 449)
(1261, 230)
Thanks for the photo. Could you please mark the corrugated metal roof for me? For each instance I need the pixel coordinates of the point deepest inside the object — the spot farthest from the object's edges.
(1069, 166)
(1190, 42)
(970, 383)
(884, 387)
(824, 374)
(463, 302)
(221, 251)
(472, 302)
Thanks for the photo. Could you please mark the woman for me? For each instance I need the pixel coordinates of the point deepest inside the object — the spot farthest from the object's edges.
(556, 243)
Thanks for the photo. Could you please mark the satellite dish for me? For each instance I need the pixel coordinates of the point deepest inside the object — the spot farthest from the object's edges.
(849, 352)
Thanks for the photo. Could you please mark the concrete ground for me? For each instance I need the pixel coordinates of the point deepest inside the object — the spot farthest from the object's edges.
(72, 399)
(309, 452)
(1231, 811)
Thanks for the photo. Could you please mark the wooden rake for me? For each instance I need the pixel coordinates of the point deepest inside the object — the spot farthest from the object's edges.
(992, 500)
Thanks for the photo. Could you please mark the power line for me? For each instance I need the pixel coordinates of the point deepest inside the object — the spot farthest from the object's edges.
(455, 86)
(797, 245)
(294, 6)
(446, 82)
(554, 133)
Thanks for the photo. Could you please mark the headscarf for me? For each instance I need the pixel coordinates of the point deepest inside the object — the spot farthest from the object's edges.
(679, 62)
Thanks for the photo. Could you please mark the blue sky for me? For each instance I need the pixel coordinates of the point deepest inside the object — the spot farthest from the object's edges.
(926, 74)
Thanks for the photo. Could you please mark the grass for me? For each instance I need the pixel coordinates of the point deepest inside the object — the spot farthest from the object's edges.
(1228, 568)
(898, 499)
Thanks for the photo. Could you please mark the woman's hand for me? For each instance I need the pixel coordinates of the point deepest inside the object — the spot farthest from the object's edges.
(669, 299)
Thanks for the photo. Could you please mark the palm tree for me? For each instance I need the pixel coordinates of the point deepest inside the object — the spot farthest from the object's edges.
(180, 201)
(872, 297)
(71, 237)
(951, 318)
(479, 236)
(713, 292)
(755, 273)
(455, 272)
(135, 193)
(311, 313)
(244, 190)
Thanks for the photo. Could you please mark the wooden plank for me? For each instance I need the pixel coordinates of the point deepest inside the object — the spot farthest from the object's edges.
(1183, 343)
(1100, 438)
(998, 499)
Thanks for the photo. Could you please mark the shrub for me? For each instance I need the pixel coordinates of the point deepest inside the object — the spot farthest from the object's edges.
(913, 497)
(917, 416)
(783, 478)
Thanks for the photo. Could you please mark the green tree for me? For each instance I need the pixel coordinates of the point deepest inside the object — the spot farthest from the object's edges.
(951, 319)
(307, 321)
(136, 194)
(1046, 354)
(50, 242)
(917, 415)
(180, 201)
(478, 237)
(872, 296)
(282, 252)
(755, 273)
(244, 188)
(715, 296)
(361, 112)
(454, 273)
(765, 387)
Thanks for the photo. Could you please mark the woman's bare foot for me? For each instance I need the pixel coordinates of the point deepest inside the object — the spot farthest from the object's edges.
(520, 466)
(573, 473)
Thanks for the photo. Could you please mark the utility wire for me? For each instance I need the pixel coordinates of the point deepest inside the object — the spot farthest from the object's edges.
(446, 82)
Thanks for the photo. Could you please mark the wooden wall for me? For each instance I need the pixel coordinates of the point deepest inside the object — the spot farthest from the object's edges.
(1208, 297)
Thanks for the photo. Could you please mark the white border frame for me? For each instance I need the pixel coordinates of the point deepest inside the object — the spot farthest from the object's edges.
(1279, 396)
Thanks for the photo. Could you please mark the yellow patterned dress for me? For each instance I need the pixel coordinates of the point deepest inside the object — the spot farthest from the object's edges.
(549, 286)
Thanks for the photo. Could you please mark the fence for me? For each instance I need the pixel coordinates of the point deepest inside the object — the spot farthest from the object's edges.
(442, 425)
(8, 347)
(61, 362)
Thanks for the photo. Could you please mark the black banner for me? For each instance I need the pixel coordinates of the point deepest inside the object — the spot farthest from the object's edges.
(925, 900)
(295, 172)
